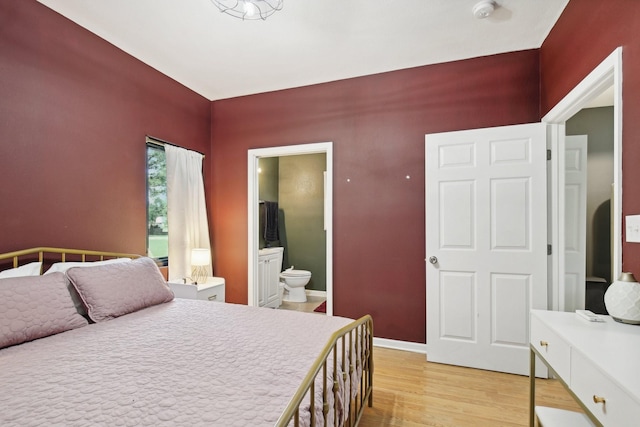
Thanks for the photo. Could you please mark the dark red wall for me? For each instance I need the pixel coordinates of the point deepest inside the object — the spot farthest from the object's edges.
(377, 124)
(74, 112)
(586, 33)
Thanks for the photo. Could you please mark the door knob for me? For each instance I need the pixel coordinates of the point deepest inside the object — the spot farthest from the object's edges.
(433, 260)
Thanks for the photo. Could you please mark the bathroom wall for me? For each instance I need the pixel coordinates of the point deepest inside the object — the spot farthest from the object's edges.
(297, 184)
(597, 124)
(301, 198)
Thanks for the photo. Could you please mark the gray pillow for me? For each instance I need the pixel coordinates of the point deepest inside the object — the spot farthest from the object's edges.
(64, 266)
(112, 290)
(35, 307)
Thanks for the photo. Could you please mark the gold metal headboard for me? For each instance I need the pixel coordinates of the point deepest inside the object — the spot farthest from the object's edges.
(62, 254)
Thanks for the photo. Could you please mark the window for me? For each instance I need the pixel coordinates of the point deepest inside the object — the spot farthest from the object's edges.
(157, 226)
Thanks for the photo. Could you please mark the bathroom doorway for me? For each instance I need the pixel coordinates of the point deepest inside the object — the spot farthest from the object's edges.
(271, 158)
(595, 122)
(605, 76)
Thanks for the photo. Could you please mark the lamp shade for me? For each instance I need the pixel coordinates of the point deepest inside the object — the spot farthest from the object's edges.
(200, 256)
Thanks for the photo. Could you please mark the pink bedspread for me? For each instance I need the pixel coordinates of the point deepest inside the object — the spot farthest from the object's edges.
(183, 363)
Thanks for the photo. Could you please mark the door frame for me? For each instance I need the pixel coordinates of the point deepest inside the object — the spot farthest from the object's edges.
(253, 156)
(608, 73)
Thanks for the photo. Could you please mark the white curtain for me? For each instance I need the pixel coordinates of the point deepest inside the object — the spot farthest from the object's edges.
(186, 210)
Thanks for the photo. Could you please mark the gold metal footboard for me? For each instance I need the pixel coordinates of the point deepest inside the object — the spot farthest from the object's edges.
(351, 350)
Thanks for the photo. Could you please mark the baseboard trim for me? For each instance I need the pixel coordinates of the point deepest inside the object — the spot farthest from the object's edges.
(400, 345)
(312, 293)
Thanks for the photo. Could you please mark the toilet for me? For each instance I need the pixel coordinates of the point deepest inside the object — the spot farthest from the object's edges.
(294, 282)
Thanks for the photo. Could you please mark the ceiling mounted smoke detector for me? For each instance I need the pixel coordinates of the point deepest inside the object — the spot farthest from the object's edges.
(483, 9)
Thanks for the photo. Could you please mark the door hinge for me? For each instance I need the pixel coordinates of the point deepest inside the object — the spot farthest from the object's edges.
(548, 154)
(549, 250)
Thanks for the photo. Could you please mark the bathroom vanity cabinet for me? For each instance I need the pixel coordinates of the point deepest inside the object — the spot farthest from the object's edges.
(269, 268)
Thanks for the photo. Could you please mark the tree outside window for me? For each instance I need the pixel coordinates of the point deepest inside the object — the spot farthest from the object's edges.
(157, 226)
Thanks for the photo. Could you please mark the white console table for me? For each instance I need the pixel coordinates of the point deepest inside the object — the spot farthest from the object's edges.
(598, 362)
(211, 290)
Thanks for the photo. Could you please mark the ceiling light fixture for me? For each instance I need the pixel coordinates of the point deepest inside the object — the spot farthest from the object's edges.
(483, 9)
(249, 9)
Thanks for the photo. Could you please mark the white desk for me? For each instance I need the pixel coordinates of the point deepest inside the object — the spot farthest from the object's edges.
(211, 290)
(599, 363)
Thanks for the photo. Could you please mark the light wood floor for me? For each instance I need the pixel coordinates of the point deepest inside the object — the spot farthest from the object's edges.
(409, 391)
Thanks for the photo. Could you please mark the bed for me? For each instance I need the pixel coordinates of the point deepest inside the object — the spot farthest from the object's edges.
(98, 339)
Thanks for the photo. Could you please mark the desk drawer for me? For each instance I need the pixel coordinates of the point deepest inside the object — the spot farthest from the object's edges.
(555, 351)
(215, 293)
(213, 290)
(587, 381)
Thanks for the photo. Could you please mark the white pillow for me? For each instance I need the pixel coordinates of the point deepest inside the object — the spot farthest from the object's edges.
(64, 266)
(31, 269)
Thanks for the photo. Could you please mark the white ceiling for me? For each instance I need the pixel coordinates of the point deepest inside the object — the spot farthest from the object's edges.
(309, 41)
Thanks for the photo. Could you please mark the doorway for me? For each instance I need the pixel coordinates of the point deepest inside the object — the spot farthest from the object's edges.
(254, 157)
(605, 76)
(595, 122)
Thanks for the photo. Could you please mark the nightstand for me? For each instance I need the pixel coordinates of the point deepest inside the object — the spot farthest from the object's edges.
(212, 290)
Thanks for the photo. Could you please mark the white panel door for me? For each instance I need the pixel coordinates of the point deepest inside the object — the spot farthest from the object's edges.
(486, 244)
(575, 222)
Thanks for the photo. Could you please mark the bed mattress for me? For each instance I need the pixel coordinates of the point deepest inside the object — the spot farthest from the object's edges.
(186, 362)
